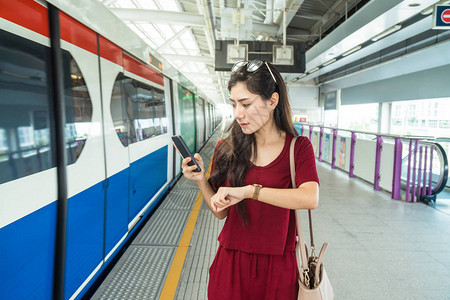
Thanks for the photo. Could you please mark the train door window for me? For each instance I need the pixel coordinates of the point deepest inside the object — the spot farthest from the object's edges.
(78, 108)
(138, 110)
(119, 109)
(25, 144)
(143, 111)
(160, 112)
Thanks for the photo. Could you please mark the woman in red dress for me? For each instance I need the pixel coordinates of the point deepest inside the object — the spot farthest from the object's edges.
(250, 185)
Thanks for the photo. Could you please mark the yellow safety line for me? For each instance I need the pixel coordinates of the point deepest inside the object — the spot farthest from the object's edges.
(170, 286)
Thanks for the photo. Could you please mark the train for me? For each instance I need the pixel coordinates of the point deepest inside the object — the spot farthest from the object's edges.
(118, 108)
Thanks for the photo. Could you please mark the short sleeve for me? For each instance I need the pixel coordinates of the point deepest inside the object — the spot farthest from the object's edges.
(305, 162)
(214, 156)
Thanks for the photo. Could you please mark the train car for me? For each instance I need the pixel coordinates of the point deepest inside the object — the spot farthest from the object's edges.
(120, 111)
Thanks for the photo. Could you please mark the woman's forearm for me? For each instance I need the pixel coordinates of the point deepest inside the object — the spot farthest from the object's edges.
(305, 196)
(207, 193)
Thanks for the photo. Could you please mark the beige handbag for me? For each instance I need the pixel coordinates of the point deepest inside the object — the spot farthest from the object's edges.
(313, 280)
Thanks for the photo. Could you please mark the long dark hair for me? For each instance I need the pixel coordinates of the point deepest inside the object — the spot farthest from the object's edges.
(232, 159)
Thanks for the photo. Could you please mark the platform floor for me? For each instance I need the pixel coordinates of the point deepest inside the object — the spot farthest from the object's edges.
(378, 248)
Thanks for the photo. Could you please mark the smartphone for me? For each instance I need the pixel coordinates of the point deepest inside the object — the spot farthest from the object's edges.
(183, 149)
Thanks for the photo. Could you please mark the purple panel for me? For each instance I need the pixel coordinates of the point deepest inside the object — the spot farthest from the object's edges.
(396, 178)
(376, 180)
(352, 156)
(413, 196)
(408, 176)
(424, 188)
(320, 144)
(333, 155)
(310, 132)
(419, 174)
(301, 132)
(430, 181)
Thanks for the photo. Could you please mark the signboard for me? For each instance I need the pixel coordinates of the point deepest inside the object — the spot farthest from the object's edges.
(330, 101)
(441, 17)
(342, 152)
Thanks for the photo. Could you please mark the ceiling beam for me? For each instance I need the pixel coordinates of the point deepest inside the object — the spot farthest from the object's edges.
(292, 6)
(332, 12)
(109, 2)
(173, 38)
(200, 75)
(159, 16)
(309, 16)
(190, 58)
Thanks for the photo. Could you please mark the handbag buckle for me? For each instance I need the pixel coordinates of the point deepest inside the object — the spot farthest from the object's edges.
(306, 277)
(313, 251)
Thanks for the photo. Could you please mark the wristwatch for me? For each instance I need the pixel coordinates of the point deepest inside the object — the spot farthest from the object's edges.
(256, 193)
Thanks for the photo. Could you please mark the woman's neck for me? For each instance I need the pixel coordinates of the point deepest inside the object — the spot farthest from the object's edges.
(268, 134)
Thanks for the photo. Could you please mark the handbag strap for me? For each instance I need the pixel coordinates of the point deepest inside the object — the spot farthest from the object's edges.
(298, 219)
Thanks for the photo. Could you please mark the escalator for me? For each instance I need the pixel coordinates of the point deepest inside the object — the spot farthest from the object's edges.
(425, 170)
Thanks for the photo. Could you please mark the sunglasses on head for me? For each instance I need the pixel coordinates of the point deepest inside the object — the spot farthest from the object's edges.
(252, 66)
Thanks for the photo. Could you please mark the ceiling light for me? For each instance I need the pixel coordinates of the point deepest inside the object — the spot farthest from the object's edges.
(329, 62)
(427, 11)
(313, 70)
(354, 49)
(386, 32)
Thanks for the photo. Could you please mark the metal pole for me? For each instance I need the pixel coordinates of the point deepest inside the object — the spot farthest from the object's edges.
(320, 144)
(352, 156)
(424, 184)
(419, 174)
(413, 197)
(430, 181)
(408, 175)
(377, 176)
(58, 110)
(396, 178)
(333, 156)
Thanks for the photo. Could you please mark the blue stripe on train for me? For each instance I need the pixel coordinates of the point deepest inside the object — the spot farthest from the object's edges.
(27, 249)
(147, 176)
(27, 245)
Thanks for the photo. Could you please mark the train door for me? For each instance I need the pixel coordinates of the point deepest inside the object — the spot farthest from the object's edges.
(86, 164)
(187, 117)
(115, 124)
(28, 178)
(147, 148)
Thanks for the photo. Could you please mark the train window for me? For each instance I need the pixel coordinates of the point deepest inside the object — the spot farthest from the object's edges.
(25, 144)
(25, 118)
(160, 113)
(138, 110)
(78, 108)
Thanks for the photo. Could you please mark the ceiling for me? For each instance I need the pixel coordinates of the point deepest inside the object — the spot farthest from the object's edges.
(184, 31)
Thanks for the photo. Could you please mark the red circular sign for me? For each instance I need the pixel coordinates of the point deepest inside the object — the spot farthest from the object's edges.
(445, 16)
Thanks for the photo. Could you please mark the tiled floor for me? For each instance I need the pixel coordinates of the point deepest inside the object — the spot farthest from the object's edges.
(378, 248)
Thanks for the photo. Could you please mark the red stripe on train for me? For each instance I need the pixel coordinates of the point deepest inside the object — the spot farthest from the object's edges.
(26, 13)
(77, 34)
(110, 51)
(144, 71)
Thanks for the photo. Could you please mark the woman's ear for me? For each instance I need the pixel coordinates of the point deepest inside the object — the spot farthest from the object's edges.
(273, 101)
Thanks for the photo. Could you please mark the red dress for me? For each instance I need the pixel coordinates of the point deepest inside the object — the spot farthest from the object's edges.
(258, 261)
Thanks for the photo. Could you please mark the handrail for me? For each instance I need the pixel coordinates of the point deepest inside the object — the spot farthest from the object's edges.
(402, 136)
(419, 184)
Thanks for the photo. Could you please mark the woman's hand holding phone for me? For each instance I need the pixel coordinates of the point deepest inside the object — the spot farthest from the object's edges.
(188, 171)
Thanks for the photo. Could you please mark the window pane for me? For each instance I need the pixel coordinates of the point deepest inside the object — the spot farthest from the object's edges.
(25, 141)
(78, 108)
(430, 114)
(138, 110)
(363, 117)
